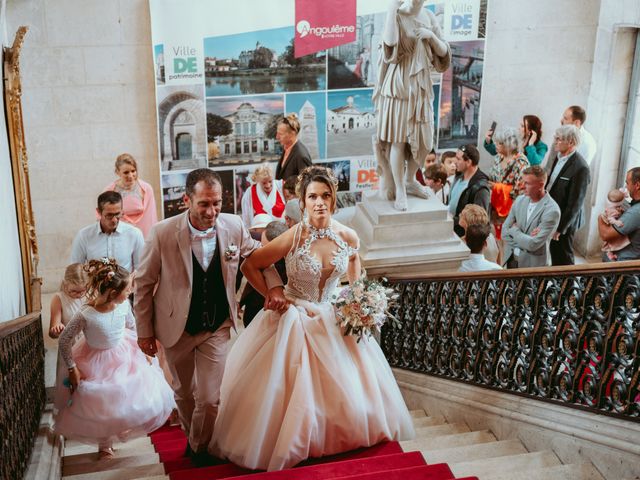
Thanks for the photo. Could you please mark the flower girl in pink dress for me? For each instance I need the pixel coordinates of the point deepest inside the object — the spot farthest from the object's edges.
(117, 392)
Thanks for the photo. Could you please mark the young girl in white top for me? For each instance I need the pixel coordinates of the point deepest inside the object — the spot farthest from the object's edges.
(117, 392)
(66, 302)
(64, 305)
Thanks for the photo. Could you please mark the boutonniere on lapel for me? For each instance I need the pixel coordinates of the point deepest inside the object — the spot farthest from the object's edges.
(231, 251)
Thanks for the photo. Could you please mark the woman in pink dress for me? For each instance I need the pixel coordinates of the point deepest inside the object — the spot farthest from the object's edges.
(117, 392)
(138, 202)
(294, 386)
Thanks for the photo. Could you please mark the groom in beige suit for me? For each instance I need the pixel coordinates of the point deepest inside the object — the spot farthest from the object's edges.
(185, 297)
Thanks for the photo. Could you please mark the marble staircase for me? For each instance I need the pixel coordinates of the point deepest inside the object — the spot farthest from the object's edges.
(467, 454)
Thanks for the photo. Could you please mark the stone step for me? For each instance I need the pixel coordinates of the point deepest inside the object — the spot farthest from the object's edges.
(439, 430)
(125, 473)
(429, 421)
(418, 413)
(448, 441)
(136, 445)
(468, 453)
(580, 471)
(133, 460)
(525, 462)
(154, 477)
(133, 441)
(122, 451)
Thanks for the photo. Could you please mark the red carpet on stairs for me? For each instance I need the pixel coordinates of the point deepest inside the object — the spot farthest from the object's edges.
(385, 461)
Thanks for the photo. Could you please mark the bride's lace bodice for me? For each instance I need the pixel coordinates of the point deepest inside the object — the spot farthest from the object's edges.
(304, 269)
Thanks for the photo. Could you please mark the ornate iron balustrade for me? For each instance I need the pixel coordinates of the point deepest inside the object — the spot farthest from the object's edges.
(22, 392)
(569, 335)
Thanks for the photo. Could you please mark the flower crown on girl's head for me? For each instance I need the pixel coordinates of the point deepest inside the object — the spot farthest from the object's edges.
(104, 274)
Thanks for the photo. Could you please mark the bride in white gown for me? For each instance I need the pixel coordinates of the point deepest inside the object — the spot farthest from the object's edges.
(294, 386)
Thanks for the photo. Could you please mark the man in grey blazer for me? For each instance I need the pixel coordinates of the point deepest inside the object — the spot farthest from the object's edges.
(567, 183)
(531, 223)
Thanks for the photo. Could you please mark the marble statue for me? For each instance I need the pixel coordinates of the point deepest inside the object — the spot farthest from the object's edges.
(412, 46)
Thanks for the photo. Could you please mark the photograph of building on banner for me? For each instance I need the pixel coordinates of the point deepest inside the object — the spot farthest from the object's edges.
(355, 64)
(242, 130)
(351, 122)
(158, 57)
(311, 109)
(260, 62)
(181, 127)
(460, 95)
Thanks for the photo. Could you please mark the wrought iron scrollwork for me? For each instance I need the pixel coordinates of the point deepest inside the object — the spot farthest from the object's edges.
(572, 339)
(22, 393)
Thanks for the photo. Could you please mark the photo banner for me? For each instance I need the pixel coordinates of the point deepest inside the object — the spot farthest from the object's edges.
(227, 72)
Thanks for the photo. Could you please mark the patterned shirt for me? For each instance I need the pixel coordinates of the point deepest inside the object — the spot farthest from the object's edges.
(511, 174)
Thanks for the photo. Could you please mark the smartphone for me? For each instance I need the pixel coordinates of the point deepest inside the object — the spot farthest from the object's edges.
(493, 126)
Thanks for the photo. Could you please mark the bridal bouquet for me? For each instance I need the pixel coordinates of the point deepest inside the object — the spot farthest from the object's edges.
(363, 307)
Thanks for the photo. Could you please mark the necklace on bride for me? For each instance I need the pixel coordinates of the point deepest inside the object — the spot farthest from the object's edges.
(319, 232)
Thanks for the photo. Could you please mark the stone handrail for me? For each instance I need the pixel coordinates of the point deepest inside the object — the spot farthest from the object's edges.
(569, 335)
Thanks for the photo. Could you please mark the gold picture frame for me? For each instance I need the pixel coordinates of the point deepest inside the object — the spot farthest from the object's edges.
(20, 169)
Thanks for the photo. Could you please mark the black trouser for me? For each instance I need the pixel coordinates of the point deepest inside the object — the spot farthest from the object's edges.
(253, 303)
(562, 249)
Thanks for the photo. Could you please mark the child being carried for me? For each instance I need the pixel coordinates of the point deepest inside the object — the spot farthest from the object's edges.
(615, 206)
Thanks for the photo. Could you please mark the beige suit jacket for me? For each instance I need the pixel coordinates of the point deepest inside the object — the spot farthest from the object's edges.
(163, 280)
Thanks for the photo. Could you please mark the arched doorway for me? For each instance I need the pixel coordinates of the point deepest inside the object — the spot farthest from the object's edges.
(350, 123)
(184, 148)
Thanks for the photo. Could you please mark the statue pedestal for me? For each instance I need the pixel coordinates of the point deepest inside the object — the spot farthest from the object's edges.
(420, 240)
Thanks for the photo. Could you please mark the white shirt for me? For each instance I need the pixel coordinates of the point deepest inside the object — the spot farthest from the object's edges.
(124, 244)
(530, 208)
(267, 201)
(203, 244)
(587, 146)
(556, 171)
(477, 263)
(440, 194)
(492, 250)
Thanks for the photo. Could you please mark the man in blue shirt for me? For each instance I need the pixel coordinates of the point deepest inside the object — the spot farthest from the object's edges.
(630, 222)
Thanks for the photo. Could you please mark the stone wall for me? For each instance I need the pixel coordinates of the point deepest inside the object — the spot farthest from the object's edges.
(544, 56)
(88, 96)
(539, 57)
(616, 38)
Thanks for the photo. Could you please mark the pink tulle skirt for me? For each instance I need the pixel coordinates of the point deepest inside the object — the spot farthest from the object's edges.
(294, 387)
(121, 395)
